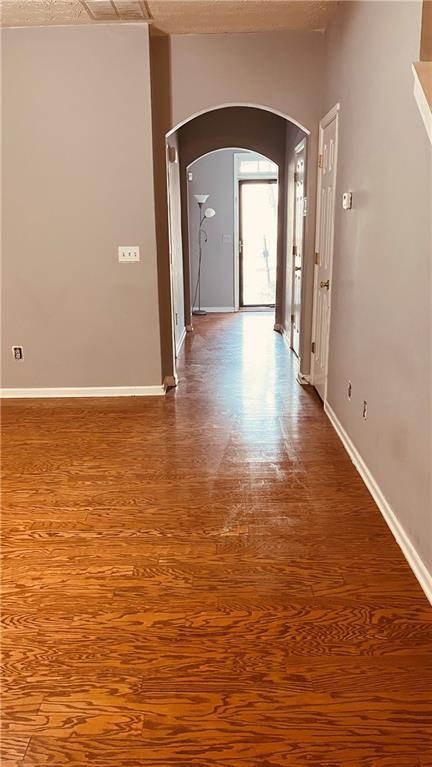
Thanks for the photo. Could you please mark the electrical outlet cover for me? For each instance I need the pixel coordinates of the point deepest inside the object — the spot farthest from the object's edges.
(17, 352)
(347, 200)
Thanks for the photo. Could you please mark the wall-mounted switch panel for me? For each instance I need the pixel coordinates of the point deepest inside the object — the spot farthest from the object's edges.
(128, 253)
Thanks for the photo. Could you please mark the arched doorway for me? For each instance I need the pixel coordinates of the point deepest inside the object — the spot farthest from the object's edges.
(239, 254)
(260, 130)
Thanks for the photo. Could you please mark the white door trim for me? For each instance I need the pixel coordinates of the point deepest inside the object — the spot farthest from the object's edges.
(236, 234)
(300, 147)
(326, 120)
(171, 267)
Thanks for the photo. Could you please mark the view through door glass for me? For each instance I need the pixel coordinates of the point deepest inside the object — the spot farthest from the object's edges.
(258, 221)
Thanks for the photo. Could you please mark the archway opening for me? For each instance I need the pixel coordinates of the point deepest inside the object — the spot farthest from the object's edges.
(235, 129)
(233, 254)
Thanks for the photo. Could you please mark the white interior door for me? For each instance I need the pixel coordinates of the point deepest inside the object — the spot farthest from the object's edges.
(328, 138)
(176, 252)
(297, 261)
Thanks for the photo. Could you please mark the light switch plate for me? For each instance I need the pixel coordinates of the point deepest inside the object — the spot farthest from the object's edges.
(128, 253)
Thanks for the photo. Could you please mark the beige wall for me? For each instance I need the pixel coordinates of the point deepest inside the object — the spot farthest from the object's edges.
(77, 182)
(381, 310)
(279, 70)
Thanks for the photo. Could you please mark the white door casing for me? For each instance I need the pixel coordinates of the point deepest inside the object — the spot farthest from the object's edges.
(239, 176)
(328, 144)
(297, 260)
(176, 252)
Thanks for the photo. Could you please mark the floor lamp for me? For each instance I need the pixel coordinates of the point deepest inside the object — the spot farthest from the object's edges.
(203, 214)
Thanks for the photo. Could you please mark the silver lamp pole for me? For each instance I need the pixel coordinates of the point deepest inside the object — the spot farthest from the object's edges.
(207, 213)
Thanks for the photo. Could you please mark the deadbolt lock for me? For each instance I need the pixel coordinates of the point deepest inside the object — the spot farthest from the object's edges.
(325, 284)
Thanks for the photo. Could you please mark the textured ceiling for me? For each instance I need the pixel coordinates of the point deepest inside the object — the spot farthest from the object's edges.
(174, 16)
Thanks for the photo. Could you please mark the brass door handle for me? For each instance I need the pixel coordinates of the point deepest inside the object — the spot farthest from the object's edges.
(325, 284)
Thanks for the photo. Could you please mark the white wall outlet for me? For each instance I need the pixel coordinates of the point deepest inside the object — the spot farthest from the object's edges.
(128, 253)
(226, 239)
(347, 200)
(17, 352)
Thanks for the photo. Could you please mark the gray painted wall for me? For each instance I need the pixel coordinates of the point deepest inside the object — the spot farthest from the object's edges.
(381, 309)
(214, 175)
(78, 182)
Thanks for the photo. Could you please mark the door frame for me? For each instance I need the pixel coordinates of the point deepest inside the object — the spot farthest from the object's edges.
(241, 182)
(171, 380)
(238, 177)
(300, 147)
(332, 114)
(172, 159)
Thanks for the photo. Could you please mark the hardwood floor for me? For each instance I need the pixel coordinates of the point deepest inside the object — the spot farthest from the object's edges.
(203, 580)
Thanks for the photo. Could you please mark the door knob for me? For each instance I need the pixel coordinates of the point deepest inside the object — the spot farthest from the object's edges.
(325, 284)
(297, 268)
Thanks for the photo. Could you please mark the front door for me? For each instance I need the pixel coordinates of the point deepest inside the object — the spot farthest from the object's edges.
(324, 250)
(258, 242)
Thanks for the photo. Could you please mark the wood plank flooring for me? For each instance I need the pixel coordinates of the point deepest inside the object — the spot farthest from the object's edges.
(203, 580)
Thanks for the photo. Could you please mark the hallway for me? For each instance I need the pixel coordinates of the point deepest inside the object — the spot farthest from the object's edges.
(203, 580)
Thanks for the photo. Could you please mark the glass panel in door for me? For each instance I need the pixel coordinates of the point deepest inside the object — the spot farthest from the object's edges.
(258, 234)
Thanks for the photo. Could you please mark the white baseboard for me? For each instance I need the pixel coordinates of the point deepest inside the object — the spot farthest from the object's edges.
(416, 564)
(84, 391)
(217, 309)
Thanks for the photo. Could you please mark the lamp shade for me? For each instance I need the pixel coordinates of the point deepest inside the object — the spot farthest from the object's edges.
(209, 212)
(201, 198)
